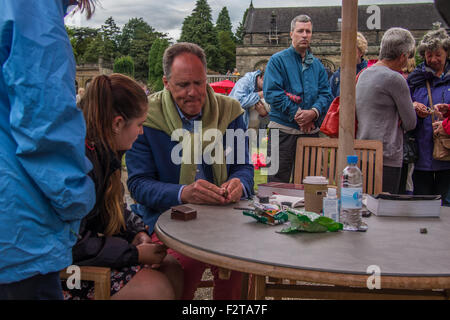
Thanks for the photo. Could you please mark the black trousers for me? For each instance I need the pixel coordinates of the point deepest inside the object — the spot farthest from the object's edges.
(391, 179)
(287, 148)
(38, 287)
(433, 182)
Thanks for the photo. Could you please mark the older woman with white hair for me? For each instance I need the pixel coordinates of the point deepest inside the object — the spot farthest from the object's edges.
(384, 108)
(431, 176)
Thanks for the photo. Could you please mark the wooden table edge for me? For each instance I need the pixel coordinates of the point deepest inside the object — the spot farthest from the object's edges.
(338, 279)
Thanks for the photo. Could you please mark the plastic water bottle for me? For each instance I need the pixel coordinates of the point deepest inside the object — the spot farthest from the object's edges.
(331, 205)
(351, 196)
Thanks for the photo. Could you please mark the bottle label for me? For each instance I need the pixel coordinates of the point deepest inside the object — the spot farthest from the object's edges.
(351, 198)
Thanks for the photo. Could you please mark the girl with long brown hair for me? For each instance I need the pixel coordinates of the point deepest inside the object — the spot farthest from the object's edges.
(115, 108)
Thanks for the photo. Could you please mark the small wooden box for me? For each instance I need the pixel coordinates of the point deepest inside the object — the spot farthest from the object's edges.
(183, 212)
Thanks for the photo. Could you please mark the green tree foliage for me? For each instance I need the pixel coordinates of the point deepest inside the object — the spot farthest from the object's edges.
(136, 41)
(227, 48)
(223, 22)
(198, 27)
(155, 67)
(240, 31)
(124, 65)
(110, 42)
(81, 39)
(110, 33)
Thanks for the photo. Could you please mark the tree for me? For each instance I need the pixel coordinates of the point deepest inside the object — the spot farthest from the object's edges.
(227, 48)
(110, 35)
(223, 23)
(136, 41)
(155, 66)
(240, 31)
(124, 65)
(81, 39)
(198, 27)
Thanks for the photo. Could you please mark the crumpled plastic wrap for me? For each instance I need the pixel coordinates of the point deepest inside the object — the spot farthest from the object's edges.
(309, 222)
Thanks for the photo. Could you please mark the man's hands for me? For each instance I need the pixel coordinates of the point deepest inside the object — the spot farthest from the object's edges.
(305, 119)
(233, 189)
(204, 192)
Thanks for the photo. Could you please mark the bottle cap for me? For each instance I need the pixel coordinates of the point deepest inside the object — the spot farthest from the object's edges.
(331, 192)
(352, 159)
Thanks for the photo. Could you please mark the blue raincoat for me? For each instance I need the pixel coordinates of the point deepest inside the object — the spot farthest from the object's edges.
(245, 91)
(44, 190)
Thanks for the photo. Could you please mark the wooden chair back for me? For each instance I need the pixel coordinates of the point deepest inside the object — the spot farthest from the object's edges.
(318, 157)
(99, 275)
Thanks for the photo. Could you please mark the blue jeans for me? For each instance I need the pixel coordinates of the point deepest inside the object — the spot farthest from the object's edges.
(38, 287)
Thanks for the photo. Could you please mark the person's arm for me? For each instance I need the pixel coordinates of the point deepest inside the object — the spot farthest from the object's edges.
(402, 98)
(244, 171)
(274, 88)
(102, 251)
(143, 176)
(324, 96)
(334, 84)
(45, 123)
(244, 92)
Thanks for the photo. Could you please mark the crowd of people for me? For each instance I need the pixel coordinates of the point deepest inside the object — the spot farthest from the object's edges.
(62, 197)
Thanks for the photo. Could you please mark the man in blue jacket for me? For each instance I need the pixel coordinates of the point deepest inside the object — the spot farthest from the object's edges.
(296, 86)
(44, 189)
(249, 91)
(159, 177)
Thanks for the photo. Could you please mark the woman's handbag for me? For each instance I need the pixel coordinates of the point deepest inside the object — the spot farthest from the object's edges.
(330, 124)
(441, 147)
(410, 149)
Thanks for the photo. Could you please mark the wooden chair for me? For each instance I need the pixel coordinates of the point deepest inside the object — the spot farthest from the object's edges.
(99, 275)
(318, 157)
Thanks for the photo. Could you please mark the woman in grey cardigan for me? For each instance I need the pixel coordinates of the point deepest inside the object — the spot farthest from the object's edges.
(384, 108)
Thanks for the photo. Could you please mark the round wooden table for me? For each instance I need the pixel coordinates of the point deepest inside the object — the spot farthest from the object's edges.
(411, 263)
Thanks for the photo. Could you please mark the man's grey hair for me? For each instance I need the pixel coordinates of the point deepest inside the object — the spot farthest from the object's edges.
(395, 42)
(433, 41)
(175, 50)
(300, 18)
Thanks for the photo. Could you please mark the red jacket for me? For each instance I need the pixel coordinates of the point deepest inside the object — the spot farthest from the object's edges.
(446, 123)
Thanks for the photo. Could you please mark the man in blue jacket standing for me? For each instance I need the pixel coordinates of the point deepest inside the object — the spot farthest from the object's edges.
(44, 189)
(296, 86)
(159, 177)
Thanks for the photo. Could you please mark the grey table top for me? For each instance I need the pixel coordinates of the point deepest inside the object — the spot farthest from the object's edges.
(394, 244)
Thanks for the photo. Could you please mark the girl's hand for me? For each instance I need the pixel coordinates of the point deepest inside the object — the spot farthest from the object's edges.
(151, 254)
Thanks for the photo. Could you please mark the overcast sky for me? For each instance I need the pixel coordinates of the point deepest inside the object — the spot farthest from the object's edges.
(168, 15)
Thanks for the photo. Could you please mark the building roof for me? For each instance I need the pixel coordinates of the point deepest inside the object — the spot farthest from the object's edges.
(414, 16)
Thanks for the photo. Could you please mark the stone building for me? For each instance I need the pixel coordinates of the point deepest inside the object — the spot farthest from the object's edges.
(86, 72)
(267, 30)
